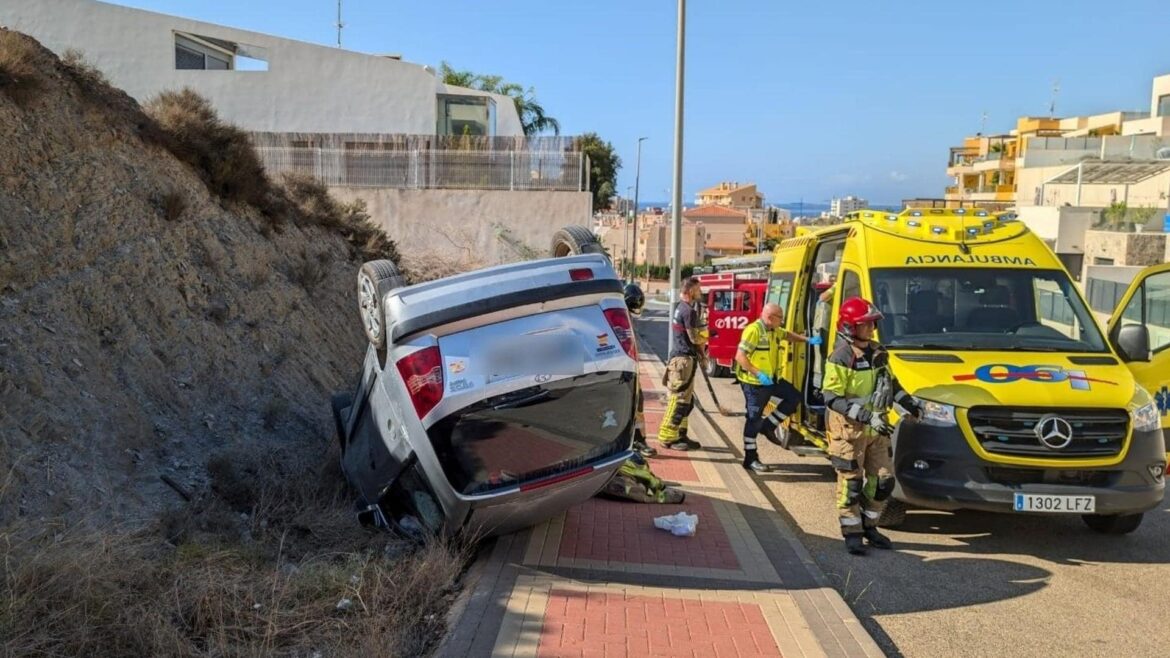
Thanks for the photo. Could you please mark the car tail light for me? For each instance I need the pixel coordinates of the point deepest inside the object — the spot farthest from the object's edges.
(619, 321)
(581, 274)
(422, 372)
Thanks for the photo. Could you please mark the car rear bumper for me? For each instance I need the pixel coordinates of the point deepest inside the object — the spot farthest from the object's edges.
(520, 507)
(956, 478)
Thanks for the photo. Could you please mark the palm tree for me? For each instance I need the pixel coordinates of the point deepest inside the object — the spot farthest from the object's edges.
(456, 78)
(533, 119)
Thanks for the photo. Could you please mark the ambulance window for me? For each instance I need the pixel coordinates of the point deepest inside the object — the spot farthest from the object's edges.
(850, 285)
(1157, 301)
(780, 290)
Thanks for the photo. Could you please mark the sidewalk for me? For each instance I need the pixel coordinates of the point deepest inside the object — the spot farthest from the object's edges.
(601, 580)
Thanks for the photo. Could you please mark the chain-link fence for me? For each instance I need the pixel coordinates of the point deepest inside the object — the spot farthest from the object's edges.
(427, 162)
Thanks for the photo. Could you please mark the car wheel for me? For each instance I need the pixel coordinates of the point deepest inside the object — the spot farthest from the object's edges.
(893, 515)
(375, 279)
(574, 240)
(1113, 524)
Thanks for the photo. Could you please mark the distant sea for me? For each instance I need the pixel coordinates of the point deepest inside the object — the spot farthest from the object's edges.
(797, 209)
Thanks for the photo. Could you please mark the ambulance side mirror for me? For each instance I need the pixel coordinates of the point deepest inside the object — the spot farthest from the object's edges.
(1133, 342)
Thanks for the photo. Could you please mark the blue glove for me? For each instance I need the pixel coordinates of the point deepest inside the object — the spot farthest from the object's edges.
(815, 340)
(764, 379)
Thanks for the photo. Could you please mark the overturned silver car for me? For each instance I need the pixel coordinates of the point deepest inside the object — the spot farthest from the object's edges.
(490, 400)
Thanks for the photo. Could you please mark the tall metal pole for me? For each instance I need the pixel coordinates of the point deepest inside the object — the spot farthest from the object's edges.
(637, 176)
(626, 269)
(676, 211)
(339, 23)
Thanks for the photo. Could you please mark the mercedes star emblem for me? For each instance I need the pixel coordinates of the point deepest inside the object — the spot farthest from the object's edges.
(1054, 432)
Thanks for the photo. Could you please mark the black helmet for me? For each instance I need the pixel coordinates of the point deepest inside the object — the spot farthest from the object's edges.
(635, 299)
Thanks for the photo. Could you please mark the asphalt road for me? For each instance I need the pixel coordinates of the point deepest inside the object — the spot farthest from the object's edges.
(971, 583)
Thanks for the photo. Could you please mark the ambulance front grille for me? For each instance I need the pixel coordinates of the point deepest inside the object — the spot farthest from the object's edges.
(1012, 431)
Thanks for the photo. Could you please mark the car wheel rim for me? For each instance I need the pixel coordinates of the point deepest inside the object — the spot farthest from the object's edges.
(368, 299)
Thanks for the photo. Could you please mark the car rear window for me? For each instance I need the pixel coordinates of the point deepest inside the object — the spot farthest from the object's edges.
(535, 432)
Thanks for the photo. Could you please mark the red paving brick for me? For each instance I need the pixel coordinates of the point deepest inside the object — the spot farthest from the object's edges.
(619, 531)
(651, 625)
(673, 467)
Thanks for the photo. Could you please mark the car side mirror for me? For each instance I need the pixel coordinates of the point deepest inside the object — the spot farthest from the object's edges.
(1133, 341)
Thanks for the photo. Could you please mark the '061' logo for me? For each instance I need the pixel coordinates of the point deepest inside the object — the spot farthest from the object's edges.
(1006, 373)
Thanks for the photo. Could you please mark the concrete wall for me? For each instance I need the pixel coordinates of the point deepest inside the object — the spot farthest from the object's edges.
(307, 88)
(1151, 192)
(1065, 228)
(1125, 249)
(474, 228)
(654, 246)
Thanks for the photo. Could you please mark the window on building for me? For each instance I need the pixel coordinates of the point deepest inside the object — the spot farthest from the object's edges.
(467, 115)
(195, 52)
(1101, 260)
(1164, 106)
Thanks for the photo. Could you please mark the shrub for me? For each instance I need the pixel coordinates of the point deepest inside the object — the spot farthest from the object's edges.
(174, 204)
(221, 153)
(19, 79)
(317, 206)
(86, 75)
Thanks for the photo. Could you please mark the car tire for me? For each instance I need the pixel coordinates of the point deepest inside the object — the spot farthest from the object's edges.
(893, 515)
(340, 403)
(1113, 524)
(574, 240)
(375, 279)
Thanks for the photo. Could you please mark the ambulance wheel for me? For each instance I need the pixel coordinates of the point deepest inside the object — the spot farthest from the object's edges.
(893, 515)
(1113, 524)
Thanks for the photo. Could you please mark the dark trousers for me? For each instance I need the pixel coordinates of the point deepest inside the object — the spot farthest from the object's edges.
(756, 398)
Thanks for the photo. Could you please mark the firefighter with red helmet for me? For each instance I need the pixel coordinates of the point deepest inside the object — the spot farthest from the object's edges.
(859, 390)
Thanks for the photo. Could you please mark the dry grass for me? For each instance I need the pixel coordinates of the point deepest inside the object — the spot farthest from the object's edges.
(19, 77)
(304, 579)
(316, 206)
(174, 204)
(86, 75)
(221, 153)
(309, 270)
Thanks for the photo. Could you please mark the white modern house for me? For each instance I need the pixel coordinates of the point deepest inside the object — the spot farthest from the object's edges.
(441, 168)
(261, 83)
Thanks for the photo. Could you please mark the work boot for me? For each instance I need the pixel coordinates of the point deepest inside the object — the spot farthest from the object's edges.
(769, 432)
(854, 545)
(751, 462)
(681, 444)
(877, 539)
(641, 448)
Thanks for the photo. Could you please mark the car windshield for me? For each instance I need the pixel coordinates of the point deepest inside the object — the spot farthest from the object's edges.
(983, 309)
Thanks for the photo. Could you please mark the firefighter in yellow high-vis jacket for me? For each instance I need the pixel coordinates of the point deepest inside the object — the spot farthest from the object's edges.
(859, 390)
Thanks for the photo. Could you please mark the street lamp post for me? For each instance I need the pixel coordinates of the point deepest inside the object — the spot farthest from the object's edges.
(676, 210)
(637, 176)
(626, 222)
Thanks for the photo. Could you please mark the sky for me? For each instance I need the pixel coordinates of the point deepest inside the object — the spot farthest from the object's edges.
(809, 100)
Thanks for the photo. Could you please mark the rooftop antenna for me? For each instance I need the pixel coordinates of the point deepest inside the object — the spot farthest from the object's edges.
(1052, 104)
(339, 23)
(983, 123)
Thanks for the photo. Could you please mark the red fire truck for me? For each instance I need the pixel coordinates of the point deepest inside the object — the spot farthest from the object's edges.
(735, 292)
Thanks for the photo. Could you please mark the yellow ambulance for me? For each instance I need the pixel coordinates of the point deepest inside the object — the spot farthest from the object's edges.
(1030, 405)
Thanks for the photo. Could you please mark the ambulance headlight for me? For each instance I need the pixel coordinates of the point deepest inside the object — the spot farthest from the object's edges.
(1146, 419)
(937, 414)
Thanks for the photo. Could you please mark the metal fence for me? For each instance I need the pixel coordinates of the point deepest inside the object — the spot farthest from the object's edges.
(371, 164)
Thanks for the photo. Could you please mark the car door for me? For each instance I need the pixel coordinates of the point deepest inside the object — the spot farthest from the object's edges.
(1147, 302)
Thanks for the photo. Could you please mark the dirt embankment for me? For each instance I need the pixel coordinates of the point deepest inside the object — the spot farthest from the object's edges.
(171, 326)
